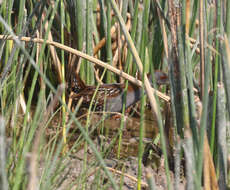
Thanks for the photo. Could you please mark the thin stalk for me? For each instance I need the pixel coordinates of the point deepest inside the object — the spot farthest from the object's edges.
(129, 58)
(127, 68)
(94, 28)
(21, 16)
(108, 42)
(141, 137)
(182, 66)
(225, 49)
(143, 96)
(138, 35)
(130, 6)
(3, 13)
(191, 97)
(227, 28)
(193, 17)
(158, 45)
(8, 44)
(3, 147)
(187, 17)
(222, 136)
(88, 120)
(79, 12)
(63, 76)
(151, 181)
(177, 163)
(189, 76)
(190, 161)
(202, 51)
(205, 101)
(174, 74)
(53, 165)
(103, 18)
(89, 42)
(122, 121)
(133, 32)
(89, 79)
(216, 71)
(124, 9)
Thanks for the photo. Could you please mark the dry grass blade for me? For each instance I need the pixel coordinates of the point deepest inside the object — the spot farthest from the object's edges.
(210, 178)
(187, 17)
(103, 40)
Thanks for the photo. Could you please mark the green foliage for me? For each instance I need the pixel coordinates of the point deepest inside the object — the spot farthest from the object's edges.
(162, 35)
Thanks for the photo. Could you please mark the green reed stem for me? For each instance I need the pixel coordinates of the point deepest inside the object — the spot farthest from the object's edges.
(144, 39)
(124, 9)
(88, 120)
(216, 71)
(227, 28)
(153, 101)
(63, 75)
(80, 20)
(21, 16)
(138, 35)
(127, 69)
(193, 17)
(8, 43)
(222, 168)
(3, 155)
(183, 82)
(109, 58)
(188, 73)
(89, 42)
(133, 33)
(141, 137)
(205, 100)
(157, 47)
(225, 50)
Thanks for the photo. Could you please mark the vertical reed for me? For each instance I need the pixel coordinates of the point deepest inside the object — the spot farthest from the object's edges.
(190, 40)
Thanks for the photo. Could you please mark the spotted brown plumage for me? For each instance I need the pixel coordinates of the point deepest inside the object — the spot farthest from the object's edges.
(110, 97)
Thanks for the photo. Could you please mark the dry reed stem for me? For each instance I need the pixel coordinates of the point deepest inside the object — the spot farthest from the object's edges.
(91, 59)
(210, 178)
(103, 40)
(187, 17)
(164, 34)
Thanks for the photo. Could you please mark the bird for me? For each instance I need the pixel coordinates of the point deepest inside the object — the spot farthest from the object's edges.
(110, 97)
